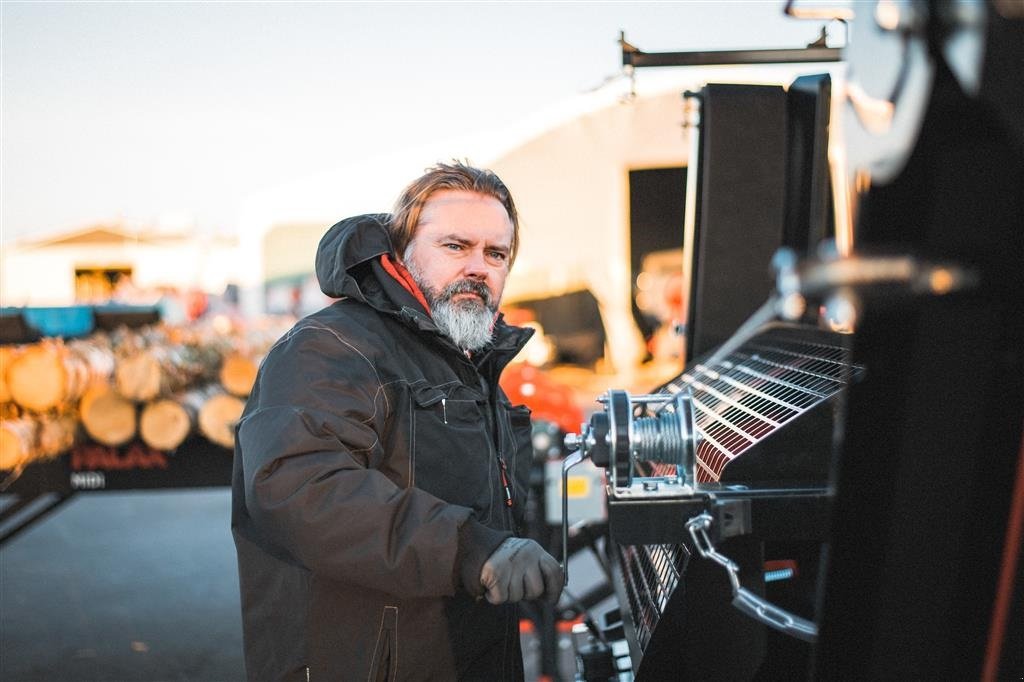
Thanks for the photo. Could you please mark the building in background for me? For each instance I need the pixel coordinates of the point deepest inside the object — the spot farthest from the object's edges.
(113, 263)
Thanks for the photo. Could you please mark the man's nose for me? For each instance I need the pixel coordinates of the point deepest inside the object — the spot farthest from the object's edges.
(476, 266)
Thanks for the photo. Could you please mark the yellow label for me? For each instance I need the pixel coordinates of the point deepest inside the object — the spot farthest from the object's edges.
(577, 486)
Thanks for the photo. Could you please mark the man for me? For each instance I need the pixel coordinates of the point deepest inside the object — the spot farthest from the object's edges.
(380, 472)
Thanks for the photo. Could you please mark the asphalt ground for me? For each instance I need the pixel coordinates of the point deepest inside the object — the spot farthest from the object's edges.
(123, 587)
(138, 587)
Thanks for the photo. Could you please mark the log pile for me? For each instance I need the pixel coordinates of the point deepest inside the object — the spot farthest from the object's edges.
(17, 442)
(52, 375)
(161, 385)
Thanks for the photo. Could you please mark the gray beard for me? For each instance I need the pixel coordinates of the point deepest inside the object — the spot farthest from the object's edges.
(466, 322)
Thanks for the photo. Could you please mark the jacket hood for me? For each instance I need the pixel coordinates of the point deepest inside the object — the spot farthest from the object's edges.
(347, 245)
(355, 260)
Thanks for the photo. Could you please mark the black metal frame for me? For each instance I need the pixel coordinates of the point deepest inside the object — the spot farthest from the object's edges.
(637, 58)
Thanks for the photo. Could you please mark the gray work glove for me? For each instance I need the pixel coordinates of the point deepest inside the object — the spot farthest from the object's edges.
(520, 569)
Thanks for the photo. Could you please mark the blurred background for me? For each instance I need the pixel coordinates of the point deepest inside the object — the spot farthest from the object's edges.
(167, 170)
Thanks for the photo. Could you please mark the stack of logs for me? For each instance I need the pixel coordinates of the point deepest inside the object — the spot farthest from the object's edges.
(159, 384)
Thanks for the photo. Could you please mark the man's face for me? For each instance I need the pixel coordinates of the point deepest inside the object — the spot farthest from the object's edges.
(459, 256)
(462, 235)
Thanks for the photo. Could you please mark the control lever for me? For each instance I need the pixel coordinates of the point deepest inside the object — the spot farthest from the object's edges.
(568, 463)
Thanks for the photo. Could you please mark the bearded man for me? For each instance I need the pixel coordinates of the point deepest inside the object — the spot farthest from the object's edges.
(380, 472)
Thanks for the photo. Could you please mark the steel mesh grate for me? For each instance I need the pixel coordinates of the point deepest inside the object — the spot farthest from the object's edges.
(762, 385)
(651, 574)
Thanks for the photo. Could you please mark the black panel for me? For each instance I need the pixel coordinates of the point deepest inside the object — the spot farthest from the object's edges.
(14, 330)
(809, 211)
(743, 140)
(114, 317)
(89, 466)
(933, 436)
(798, 453)
(701, 636)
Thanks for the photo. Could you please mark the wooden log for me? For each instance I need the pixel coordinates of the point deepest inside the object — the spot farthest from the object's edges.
(98, 355)
(108, 417)
(43, 376)
(53, 375)
(57, 434)
(165, 424)
(7, 355)
(218, 416)
(161, 370)
(17, 442)
(32, 437)
(141, 377)
(248, 348)
(238, 373)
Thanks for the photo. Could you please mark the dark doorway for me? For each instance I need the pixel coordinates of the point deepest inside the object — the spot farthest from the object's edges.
(657, 203)
(101, 283)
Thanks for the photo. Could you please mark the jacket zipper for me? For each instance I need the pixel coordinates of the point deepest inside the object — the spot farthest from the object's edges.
(504, 482)
(506, 487)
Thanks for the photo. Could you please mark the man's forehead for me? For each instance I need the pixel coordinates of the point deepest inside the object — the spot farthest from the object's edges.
(444, 197)
(462, 198)
(456, 211)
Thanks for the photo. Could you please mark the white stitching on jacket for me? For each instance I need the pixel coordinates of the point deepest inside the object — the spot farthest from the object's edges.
(380, 634)
(380, 385)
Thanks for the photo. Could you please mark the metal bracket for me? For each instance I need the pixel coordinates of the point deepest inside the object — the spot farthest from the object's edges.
(733, 517)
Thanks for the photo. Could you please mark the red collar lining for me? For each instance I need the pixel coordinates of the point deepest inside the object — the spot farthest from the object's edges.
(402, 276)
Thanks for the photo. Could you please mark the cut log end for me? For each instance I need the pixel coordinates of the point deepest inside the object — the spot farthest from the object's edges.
(108, 417)
(218, 417)
(164, 424)
(238, 374)
(37, 378)
(57, 434)
(138, 377)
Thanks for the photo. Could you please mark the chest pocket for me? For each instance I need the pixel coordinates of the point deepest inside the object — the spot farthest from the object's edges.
(453, 457)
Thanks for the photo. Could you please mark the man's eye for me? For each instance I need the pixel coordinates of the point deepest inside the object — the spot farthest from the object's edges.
(453, 247)
(499, 255)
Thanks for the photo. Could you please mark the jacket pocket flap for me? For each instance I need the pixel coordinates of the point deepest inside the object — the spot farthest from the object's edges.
(426, 395)
(519, 415)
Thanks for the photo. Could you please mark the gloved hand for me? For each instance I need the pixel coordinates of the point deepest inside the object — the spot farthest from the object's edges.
(520, 569)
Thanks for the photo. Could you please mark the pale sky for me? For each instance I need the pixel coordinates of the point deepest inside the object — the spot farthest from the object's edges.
(144, 110)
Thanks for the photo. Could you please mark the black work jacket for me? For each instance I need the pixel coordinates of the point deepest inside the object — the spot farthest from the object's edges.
(368, 491)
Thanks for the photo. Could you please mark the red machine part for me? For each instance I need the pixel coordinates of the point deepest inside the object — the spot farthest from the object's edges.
(546, 398)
